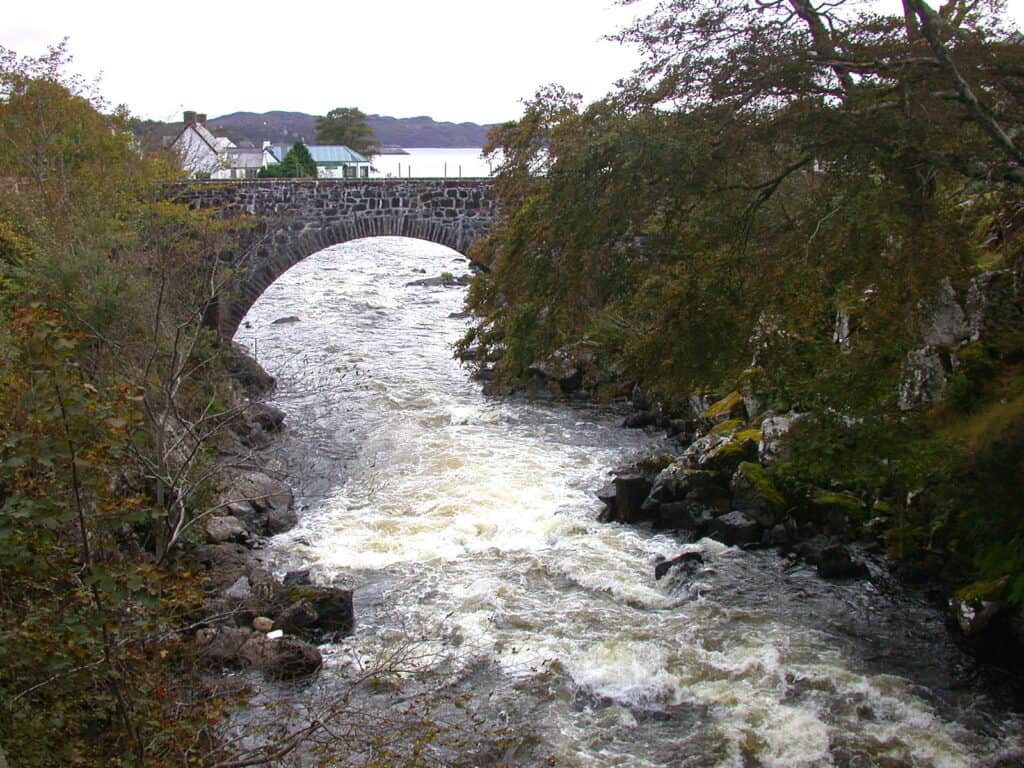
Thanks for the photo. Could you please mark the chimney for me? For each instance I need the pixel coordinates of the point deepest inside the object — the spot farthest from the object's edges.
(190, 118)
(201, 118)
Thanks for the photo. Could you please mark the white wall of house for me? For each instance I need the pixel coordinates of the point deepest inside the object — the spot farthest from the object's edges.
(197, 156)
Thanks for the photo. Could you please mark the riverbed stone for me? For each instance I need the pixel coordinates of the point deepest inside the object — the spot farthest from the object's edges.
(754, 492)
(687, 563)
(836, 562)
(735, 528)
(630, 492)
(261, 502)
(240, 590)
(247, 371)
(692, 516)
(224, 528)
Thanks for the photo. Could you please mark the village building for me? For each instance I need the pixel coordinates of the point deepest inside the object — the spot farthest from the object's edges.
(332, 161)
(206, 156)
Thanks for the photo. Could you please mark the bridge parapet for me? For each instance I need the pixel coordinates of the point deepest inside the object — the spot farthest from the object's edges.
(294, 218)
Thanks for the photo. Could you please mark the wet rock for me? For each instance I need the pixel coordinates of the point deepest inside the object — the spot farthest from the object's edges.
(279, 520)
(269, 418)
(566, 366)
(630, 492)
(445, 280)
(976, 606)
(684, 516)
(285, 658)
(289, 320)
(735, 528)
(323, 613)
(260, 501)
(220, 646)
(836, 562)
(244, 368)
(687, 563)
(640, 419)
(223, 563)
(296, 578)
(754, 492)
(925, 378)
(226, 528)
(840, 514)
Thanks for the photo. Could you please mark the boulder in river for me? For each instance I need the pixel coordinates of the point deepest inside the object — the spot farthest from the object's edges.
(688, 563)
(735, 528)
(624, 498)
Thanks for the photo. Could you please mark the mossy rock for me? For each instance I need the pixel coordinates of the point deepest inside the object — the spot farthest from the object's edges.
(985, 591)
(652, 465)
(729, 407)
(838, 511)
(753, 435)
(727, 428)
(728, 456)
(753, 487)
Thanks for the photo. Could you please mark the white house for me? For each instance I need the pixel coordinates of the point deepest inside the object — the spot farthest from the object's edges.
(201, 153)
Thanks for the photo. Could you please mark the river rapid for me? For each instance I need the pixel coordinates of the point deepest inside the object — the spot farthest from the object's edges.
(468, 526)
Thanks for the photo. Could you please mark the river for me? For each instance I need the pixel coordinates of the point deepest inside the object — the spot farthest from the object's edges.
(468, 527)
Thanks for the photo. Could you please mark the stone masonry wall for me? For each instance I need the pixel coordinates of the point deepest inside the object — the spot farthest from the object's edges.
(293, 218)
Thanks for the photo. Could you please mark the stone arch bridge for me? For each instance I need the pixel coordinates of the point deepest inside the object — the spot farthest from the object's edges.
(294, 218)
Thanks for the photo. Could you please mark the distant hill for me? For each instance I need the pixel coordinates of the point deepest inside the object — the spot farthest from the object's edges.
(288, 127)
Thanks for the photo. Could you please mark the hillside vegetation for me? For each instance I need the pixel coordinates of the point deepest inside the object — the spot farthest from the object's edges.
(780, 204)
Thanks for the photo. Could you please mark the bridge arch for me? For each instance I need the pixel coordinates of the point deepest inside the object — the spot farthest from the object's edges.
(291, 219)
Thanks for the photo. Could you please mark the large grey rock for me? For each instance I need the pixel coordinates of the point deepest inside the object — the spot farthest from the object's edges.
(943, 322)
(321, 613)
(566, 366)
(226, 528)
(773, 435)
(735, 528)
(925, 378)
(993, 304)
(260, 501)
(255, 381)
(285, 658)
(630, 493)
(754, 492)
(240, 590)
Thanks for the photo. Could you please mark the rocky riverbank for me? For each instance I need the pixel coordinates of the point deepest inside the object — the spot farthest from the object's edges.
(250, 618)
(724, 482)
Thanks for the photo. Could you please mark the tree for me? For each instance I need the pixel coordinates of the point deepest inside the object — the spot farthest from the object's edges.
(347, 126)
(296, 164)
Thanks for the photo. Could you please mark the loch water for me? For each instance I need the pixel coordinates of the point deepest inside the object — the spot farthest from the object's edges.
(468, 526)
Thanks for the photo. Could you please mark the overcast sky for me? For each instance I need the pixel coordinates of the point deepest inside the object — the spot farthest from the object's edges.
(455, 60)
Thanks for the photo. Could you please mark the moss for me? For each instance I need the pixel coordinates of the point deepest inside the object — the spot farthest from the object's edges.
(753, 435)
(883, 508)
(988, 590)
(652, 465)
(730, 406)
(763, 484)
(727, 427)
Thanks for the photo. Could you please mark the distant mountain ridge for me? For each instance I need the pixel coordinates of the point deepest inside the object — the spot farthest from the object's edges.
(281, 127)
